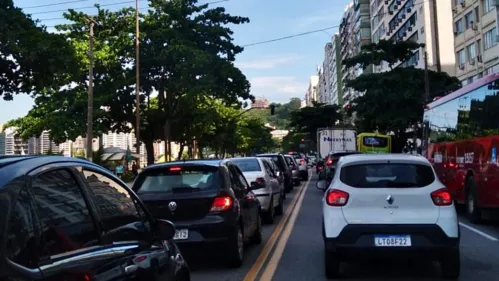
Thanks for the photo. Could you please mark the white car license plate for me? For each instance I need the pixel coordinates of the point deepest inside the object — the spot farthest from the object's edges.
(392, 240)
(181, 234)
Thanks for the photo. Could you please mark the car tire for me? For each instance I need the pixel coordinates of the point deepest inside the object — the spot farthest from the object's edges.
(279, 210)
(331, 265)
(451, 264)
(270, 213)
(258, 236)
(472, 210)
(235, 249)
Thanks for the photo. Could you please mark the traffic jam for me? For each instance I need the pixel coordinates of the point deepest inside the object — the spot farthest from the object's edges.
(274, 216)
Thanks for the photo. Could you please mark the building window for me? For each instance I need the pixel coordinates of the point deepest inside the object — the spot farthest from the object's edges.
(489, 38)
(487, 6)
(471, 51)
(459, 26)
(468, 18)
(461, 56)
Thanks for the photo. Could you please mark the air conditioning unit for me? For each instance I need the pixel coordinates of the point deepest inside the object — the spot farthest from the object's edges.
(386, 2)
(390, 13)
(400, 20)
(463, 3)
(409, 28)
(395, 7)
(454, 10)
(398, 2)
(404, 34)
(461, 66)
(455, 33)
(474, 26)
(472, 61)
(479, 58)
(403, 16)
(409, 10)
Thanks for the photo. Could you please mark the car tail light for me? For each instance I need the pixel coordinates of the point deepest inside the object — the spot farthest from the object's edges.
(329, 162)
(302, 161)
(336, 197)
(260, 180)
(441, 197)
(221, 204)
(175, 169)
(140, 258)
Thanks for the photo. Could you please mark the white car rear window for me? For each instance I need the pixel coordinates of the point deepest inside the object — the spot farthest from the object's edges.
(387, 175)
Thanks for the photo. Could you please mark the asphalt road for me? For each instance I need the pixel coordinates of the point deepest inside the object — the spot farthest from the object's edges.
(298, 253)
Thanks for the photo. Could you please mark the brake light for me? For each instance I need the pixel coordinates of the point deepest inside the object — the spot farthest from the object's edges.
(221, 204)
(260, 180)
(175, 169)
(329, 162)
(336, 197)
(441, 197)
(139, 259)
(302, 161)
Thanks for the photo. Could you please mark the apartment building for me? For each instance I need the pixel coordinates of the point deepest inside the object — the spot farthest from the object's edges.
(11, 143)
(355, 32)
(322, 90)
(422, 21)
(335, 72)
(312, 93)
(476, 41)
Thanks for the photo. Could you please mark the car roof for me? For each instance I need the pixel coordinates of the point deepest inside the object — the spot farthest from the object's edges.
(204, 162)
(381, 157)
(12, 167)
(268, 154)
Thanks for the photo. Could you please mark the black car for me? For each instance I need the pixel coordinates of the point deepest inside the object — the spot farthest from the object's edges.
(331, 160)
(69, 219)
(280, 161)
(210, 202)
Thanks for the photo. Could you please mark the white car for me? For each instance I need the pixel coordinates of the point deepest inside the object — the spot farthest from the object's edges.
(260, 171)
(388, 205)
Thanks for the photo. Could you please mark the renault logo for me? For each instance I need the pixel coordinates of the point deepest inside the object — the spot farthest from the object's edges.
(390, 199)
(172, 206)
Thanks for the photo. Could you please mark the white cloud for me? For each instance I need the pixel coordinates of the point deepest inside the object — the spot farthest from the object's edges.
(269, 62)
(277, 88)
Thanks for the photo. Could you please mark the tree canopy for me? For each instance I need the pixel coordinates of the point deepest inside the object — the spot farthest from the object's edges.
(393, 101)
(31, 59)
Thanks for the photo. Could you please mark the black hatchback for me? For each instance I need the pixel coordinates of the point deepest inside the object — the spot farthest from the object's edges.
(210, 202)
(68, 219)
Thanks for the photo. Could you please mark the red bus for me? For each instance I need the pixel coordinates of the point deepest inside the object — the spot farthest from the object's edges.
(462, 136)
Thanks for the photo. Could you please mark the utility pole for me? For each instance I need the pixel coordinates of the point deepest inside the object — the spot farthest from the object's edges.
(424, 138)
(90, 109)
(137, 78)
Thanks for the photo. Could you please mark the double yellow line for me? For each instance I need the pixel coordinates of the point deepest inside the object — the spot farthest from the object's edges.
(280, 236)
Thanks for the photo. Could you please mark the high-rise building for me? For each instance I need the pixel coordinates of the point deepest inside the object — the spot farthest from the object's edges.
(11, 143)
(330, 86)
(355, 32)
(422, 21)
(311, 95)
(322, 85)
(476, 38)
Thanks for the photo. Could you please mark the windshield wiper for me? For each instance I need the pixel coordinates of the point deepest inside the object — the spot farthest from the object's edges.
(185, 189)
(401, 184)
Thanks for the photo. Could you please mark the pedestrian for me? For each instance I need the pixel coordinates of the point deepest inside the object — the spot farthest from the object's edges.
(135, 168)
(119, 170)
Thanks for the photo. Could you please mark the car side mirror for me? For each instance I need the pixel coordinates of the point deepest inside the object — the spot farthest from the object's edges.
(321, 184)
(165, 229)
(255, 185)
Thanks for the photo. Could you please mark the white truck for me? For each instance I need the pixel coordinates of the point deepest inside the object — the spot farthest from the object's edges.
(335, 140)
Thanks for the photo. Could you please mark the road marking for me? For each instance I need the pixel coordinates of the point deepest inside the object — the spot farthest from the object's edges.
(271, 267)
(257, 266)
(479, 232)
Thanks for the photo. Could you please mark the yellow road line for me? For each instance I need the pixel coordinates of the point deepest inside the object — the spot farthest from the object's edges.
(278, 252)
(257, 266)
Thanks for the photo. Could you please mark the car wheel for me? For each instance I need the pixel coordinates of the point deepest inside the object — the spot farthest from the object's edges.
(270, 213)
(472, 209)
(236, 249)
(331, 265)
(451, 265)
(280, 209)
(257, 236)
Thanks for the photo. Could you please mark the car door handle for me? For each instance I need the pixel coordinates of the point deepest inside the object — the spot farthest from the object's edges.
(130, 269)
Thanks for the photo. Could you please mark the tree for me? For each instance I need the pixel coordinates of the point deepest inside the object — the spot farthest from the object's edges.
(393, 101)
(32, 60)
(309, 119)
(282, 115)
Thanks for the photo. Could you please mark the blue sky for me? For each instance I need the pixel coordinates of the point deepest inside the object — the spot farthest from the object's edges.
(278, 70)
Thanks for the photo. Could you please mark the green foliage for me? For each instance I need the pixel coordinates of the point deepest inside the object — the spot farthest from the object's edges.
(282, 115)
(309, 119)
(393, 101)
(32, 60)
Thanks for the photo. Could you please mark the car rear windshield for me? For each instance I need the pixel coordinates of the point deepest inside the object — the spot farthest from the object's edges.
(341, 154)
(177, 179)
(387, 175)
(248, 165)
(289, 160)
